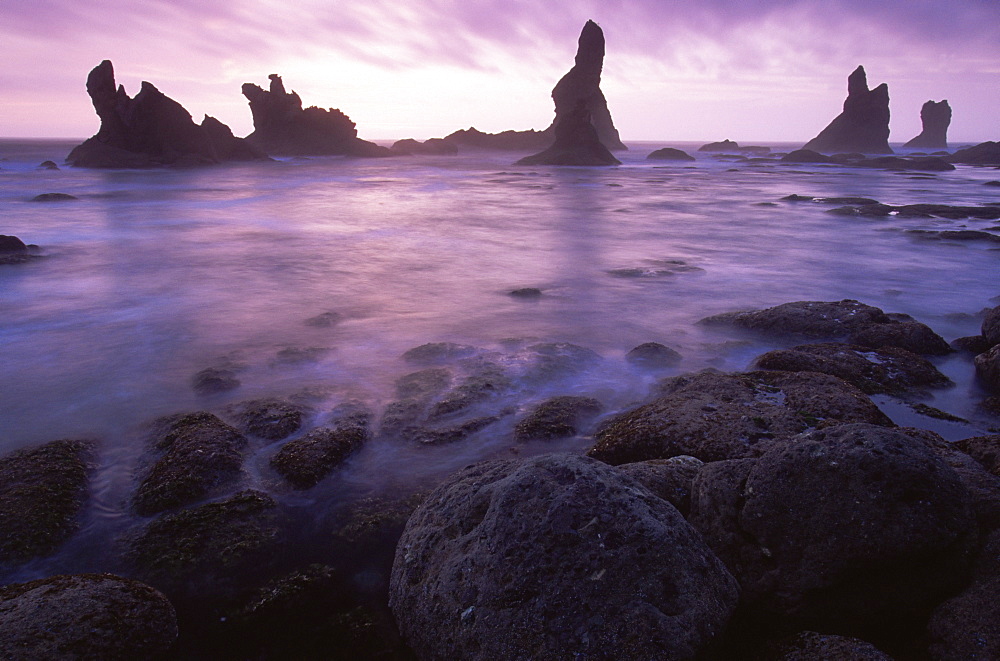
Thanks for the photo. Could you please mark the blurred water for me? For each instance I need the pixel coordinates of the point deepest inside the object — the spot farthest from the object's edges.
(152, 276)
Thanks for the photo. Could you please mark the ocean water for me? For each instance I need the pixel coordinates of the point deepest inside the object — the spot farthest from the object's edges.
(151, 276)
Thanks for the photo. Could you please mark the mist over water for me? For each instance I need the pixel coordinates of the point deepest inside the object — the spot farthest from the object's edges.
(152, 276)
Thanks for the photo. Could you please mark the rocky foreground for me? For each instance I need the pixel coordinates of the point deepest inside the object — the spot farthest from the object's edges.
(769, 514)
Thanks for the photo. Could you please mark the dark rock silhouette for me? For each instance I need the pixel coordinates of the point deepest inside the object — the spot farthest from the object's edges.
(935, 118)
(577, 143)
(669, 154)
(505, 140)
(432, 147)
(725, 145)
(863, 126)
(283, 127)
(151, 130)
(985, 153)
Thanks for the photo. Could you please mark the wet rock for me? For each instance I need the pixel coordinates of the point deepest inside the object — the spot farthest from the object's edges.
(324, 320)
(993, 183)
(549, 361)
(194, 456)
(84, 616)
(653, 355)
(42, 491)
(486, 384)
(151, 130)
(213, 380)
(603, 564)
(988, 368)
(576, 142)
(271, 419)
(715, 416)
(865, 210)
(670, 479)
(935, 118)
(724, 146)
(985, 153)
(811, 646)
(54, 197)
(300, 355)
(426, 435)
(885, 370)
(923, 164)
(505, 140)
(984, 449)
(856, 527)
(655, 268)
(435, 353)
(432, 147)
(283, 127)
(423, 384)
(967, 626)
(991, 326)
(953, 212)
(14, 251)
(805, 156)
(209, 551)
(858, 201)
(863, 126)
(557, 417)
(374, 523)
(307, 460)
(48, 165)
(526, 293)
(975, 344)
(669, 154)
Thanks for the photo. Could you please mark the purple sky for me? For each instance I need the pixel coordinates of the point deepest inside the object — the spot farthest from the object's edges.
(675, 69)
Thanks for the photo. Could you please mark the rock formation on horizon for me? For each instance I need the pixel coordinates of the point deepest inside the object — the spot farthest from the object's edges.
(151, 130)
(283, 127)
(935, 118)
(863, 126)
(577, 142)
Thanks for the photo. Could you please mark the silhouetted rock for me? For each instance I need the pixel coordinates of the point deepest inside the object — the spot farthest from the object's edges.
(985, 153)
(14, 251)
(48, 165)
(283, 127)
(577, 143)
(863, 126)
(432, 147)
(151, 130)
(805, 156)
(85, 616)
(54, 197)
(670, 154)
(557, 557)
(935, 117)
(505, 140)
(725, 145)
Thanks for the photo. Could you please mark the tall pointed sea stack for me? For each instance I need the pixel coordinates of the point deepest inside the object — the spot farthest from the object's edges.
(583, 83)
(863, 126)
(151, 130)
(935, 118)
(283, 127)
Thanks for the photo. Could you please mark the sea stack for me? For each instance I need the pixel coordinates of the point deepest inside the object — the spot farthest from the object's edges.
(151, 130)
(283, 127)
(577, 142)
(863, 126)
(935, 117)
(583, 83)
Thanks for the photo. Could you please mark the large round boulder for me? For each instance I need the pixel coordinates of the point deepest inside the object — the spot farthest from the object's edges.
(558, 557)
(84, 616)
(847, 528)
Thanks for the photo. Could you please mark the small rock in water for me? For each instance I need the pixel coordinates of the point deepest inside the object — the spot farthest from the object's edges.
(14, 251)
(300, 355)
(272, 419)
(212, 380)
(557, 417)
(526, 292)
(670, 154)
(48, 165)
(653, 355)
(992, 183)
(307, 460)
(438, 352)
(324, 320)
(54, 197)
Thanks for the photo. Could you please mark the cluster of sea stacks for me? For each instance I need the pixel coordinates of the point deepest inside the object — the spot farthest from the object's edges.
(771, 515)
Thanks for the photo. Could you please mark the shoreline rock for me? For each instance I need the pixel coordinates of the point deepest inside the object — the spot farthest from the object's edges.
(863, 126)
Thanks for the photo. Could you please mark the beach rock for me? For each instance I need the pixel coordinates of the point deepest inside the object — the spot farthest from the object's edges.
(988, 368)
(13, 250)
(885, 370)
(271, 419)
(967, 626)
(54, 197)
(984, 449)
(528, 293)
(805, 156)
(48, 165)
(604, 568)
(151, 130)
(557, 417)
(210, 551)
(423, 384)
(985, 153)
(670, 479)
(852, 528)
(431, 147)
(194, 456)
(552, 361)
(450, 433)
(724, 146)
(812, 646)
(307, 460)
(863, 126)
(324, 320)
(42, 491)
(669, 154)
(484, 385)
(435, 353)
(991, 326)
(84, 616)
(974, 344)
(935, 118)
(715, 416)
(282, 127)
(213, 380)
(576, 142)
(529, 140)
(653, 355)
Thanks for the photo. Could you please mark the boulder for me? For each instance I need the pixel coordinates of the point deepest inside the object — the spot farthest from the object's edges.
(48, 165)
(724, 146)
(194, 456)
(885, 370)
(435, 353)
(985, 153)
(810, 646)
(805, 156)
(863, 126)
(653, 355)
(852, 528)
(984, 449)
(283, 127)
(557, 417)
(307, 460)
(14, 251)
(715, 416)
(270, 418)
(42, 491)
(432, 147)
(84, 616)
(669, 154)
(670, 479)
(151, 130)
(54, 197)
(991, 326)
(529, 140)
(935, 118)
(988, 368)
(213, 380)
(556, 557)
(576, 142)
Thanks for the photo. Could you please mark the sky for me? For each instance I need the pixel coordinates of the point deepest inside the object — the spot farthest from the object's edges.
(675, 70)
